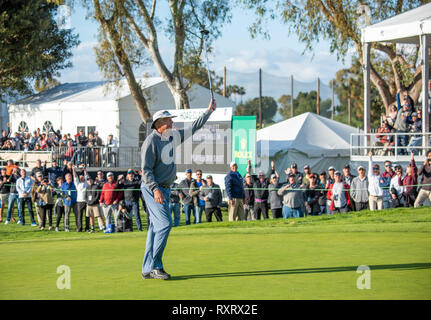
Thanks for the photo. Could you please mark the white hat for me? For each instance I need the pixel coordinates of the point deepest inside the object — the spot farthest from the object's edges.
(232, 163)
(160, 115)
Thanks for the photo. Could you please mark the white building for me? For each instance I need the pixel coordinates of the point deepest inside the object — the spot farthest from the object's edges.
(89, 105)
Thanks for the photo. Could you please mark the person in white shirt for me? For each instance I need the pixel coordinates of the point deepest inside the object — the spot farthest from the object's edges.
(81, 203)
(375, 198)
(23, 187)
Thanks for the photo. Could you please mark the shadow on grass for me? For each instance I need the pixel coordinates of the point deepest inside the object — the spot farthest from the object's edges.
(409, 266)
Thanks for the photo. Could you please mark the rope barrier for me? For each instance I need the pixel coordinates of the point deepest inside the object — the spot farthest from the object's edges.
(246, 188)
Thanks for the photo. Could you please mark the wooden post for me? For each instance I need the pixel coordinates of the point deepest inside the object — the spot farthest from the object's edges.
(332, 100)
(224, 82)
(291, 96)
(349, 115)
(318, 97)
(260, 98)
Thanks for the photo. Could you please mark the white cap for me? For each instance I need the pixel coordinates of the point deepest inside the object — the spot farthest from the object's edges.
(160, 115)
(232, 163)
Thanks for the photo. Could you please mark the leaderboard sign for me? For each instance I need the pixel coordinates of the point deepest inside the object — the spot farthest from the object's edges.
(209, 149)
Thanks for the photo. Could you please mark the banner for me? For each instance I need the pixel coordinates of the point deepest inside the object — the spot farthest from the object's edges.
(243, 142)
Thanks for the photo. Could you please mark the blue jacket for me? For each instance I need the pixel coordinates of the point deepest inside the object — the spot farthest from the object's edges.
(234, 185)
(69, 190)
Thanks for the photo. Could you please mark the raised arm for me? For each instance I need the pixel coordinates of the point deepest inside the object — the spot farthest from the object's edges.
(198, 123)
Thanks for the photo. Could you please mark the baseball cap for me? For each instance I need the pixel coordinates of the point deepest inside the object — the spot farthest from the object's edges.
(261, 173)
(347, 166)
(294, 165)
(306, 166)
(232, 163)
(110, 174)
(312, 176)
(209, 176)
(189, 171)
(376, 166)
(273, 176)
(89, 178)
(248, 175)
(361, 168)
(130, 171)
(414, 114)
(337, 173)
(331, 168)
(291, 175)
(160, 115)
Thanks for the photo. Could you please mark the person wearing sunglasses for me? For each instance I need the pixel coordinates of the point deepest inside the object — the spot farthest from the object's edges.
(375, 198)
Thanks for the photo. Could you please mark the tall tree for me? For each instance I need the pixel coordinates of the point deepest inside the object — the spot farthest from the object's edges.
(304, 102)
(339, 22)
(32, 45)
(117, 51)
(183, 24)
(251, 108)
(349, 83)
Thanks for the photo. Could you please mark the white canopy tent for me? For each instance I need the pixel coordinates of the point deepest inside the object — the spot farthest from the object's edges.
(306, 139)
(414, 27)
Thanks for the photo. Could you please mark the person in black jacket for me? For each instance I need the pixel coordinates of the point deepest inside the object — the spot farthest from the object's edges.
(131, 191)
(174, 203)
(185, 196)
(312, 194)
(4, 191)
(249, 198)
(92, 197)
(261, 193)
(13, 194)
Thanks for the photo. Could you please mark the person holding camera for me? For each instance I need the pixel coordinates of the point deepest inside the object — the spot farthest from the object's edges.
(425, 191)
(92, 196)
(45, 202)
(59, 202)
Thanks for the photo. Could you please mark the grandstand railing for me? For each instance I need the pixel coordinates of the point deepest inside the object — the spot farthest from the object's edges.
(362, 143)
(93, 157)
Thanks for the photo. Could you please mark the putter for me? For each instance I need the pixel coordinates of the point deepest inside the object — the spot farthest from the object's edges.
(204, 34)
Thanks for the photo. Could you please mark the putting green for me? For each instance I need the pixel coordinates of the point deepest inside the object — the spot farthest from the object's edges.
(313, 258)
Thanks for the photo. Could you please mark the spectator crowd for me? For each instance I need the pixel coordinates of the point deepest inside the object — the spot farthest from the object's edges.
(404, 120)
(77, 148)
(308, 193)
(55, 192)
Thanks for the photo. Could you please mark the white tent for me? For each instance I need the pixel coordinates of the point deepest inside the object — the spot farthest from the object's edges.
(403, 28)
(306, 139)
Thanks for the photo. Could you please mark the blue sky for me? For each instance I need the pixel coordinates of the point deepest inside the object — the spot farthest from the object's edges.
(279, 56)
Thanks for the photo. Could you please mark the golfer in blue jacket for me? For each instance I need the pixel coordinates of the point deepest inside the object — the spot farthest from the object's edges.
(158, 173)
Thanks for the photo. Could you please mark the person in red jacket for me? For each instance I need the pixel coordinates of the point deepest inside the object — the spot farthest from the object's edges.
(339, 195)
(109, 199)
(410, 182)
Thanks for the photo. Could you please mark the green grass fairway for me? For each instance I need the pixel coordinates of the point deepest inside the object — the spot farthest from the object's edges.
(306, 258)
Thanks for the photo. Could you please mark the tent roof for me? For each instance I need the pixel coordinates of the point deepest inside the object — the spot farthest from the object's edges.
(309, 133)
(85, 91)
(403, 28)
